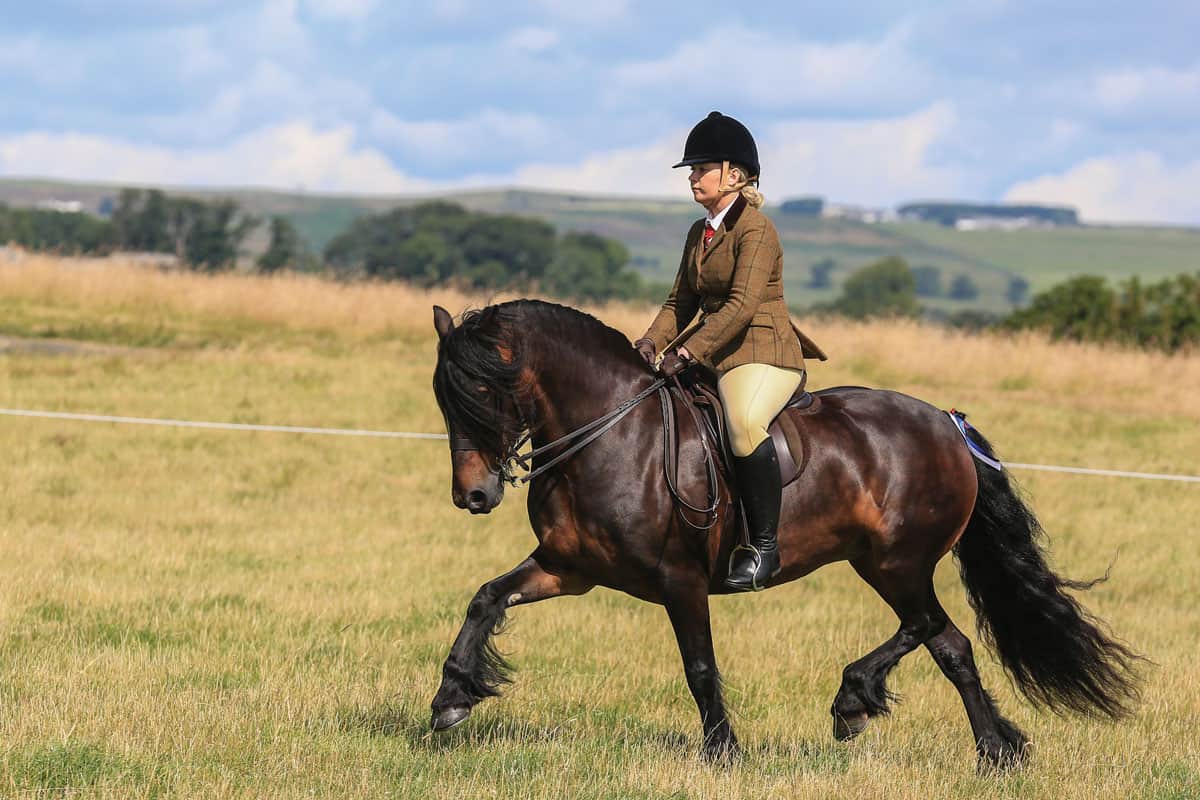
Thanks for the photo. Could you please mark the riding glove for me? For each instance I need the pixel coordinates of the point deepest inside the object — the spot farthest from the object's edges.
(646, 350)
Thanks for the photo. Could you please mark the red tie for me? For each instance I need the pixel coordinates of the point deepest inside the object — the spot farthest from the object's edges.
(708, 234)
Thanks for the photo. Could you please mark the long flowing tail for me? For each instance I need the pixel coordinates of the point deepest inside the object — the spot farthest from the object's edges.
(1055, 650)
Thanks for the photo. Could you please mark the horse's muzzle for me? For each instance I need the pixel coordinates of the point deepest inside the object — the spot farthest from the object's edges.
(479, 501)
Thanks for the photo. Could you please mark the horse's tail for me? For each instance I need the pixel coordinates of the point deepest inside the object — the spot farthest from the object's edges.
(1055, 650)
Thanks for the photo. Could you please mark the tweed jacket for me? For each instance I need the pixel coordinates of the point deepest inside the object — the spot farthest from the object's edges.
(737, 284)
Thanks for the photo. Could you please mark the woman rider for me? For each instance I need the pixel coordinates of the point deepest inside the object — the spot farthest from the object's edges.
(732, 271)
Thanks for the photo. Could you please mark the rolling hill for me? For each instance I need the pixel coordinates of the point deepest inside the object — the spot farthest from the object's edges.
(653, 230)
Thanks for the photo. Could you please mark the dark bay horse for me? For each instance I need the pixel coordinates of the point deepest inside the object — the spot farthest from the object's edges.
(891, 487)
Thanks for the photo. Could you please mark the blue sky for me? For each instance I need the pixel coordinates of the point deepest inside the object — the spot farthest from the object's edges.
(1092, 104)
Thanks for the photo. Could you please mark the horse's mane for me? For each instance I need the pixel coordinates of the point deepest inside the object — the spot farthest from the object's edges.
(473, 381)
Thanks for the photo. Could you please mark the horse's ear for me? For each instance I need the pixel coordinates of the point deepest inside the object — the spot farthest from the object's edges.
(442, 321)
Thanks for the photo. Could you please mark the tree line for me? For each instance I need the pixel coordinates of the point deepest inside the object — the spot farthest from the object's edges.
(427, 244)
(439, 243)
(1163, 315)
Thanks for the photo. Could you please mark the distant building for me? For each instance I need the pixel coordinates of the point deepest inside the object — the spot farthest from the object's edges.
(978, 216)
(1000, 223)
(61, 206)
(859, 213)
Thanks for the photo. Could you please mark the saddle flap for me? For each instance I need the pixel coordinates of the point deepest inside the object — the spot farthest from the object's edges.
(789, 445)
(785, 432)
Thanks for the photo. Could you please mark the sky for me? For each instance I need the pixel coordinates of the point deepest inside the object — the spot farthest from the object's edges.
(1090, 104)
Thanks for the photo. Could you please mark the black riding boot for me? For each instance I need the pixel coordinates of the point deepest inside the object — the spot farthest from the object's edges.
(751, 565)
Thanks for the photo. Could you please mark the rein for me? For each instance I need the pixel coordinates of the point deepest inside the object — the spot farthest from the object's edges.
(594, 430)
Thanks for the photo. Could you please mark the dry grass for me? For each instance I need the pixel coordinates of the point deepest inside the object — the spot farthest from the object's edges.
(202, 614)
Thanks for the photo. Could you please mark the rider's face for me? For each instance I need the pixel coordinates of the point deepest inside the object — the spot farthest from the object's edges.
(705, 180)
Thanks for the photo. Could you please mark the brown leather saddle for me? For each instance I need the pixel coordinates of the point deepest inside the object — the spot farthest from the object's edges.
(699, 389)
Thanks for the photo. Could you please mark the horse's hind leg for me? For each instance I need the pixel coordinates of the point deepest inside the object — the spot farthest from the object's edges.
(863, 693)
(998, 742)
(474, 670)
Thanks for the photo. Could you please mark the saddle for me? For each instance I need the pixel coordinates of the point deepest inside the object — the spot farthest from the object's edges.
(697, 388)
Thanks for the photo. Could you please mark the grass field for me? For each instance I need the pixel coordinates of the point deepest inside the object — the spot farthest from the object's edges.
(205, 614)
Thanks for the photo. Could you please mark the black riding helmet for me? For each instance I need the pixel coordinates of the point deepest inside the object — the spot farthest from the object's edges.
(721, 138)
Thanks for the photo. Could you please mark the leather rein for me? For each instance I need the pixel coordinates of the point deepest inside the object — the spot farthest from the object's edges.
(593, 430)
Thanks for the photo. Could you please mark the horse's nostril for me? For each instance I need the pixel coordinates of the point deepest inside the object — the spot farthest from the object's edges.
(477, 499)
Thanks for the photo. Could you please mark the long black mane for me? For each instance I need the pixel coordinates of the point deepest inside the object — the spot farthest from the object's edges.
(481, 361)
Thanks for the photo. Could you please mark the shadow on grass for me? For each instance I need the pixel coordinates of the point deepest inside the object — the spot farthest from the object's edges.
(484, 730)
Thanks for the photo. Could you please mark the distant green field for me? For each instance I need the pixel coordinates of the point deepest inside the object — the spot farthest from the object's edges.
(1048, 256)
(653, 230)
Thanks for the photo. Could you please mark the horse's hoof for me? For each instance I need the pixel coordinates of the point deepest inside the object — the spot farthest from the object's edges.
(847, 727)
(724, 754)
(447, 718)
(1001, 756)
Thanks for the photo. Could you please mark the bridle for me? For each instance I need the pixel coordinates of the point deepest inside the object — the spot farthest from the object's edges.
(512, 460)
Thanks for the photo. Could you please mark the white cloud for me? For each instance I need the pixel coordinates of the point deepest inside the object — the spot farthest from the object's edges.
(290, 155)
(770, 72)
(1129, 187)
(532, 40)
(874, 162)
(1150, 88)
(467, 138)
(264, 93)
(639, 170)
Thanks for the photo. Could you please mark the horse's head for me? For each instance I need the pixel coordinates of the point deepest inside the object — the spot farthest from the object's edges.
(477, 386)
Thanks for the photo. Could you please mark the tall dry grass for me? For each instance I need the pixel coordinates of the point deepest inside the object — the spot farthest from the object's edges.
(892, 352)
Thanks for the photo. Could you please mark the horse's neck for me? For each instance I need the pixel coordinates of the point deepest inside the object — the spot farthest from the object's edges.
(574, 387)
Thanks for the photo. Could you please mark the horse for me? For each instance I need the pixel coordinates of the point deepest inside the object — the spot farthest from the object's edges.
(890, 486)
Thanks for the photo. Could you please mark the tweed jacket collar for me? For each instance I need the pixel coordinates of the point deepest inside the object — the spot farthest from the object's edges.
(732, 215)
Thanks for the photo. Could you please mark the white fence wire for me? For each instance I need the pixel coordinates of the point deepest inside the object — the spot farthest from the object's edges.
(242, 426)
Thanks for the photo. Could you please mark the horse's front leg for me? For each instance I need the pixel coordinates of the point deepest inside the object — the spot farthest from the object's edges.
(688, 610)
(474, 670)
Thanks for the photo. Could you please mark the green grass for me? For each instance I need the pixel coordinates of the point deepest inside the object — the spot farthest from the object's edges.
(214, 614)
(1051, 255)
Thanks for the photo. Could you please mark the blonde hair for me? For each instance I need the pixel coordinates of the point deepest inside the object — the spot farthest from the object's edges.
(748, 185)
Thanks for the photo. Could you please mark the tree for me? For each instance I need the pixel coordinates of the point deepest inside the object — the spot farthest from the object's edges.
(1018, 290)
(69, 232)
(1082, 308)
(590, 267)
(149, 225)
(963, 288)
(215, 235)
(284, 249)
(818, 274)
(810, 206)
(928, 281)
(884, 288)
(438, 242)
